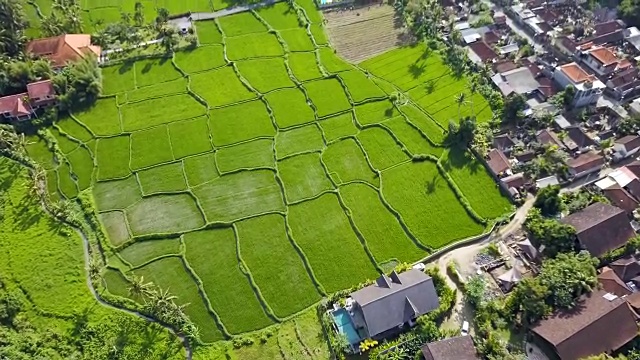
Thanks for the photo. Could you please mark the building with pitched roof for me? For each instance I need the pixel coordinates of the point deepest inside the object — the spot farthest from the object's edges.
(570, 333)
(588, 87)
(585, 164)
(63, 49)
(393, 302)
(459, 348)
(23, 106)
(602, 60)
(627, 146)
(612, 283)
(497, 162)
(600, 228)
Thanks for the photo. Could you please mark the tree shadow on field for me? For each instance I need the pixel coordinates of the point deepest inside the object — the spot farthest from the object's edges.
(416, 70)
(126, 67)
(150, 64)
(28, 213)
(461, 158)
(432, 185)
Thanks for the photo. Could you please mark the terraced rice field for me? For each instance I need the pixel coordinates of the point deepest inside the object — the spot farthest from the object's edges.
(253, 198)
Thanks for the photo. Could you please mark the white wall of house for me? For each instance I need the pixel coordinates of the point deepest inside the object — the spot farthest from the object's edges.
(584, 96)
(596, 66)
(622, 151)
(584, 173)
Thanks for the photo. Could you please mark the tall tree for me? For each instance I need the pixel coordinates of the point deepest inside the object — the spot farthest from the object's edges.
(567, 277)
(548, 200)
(13, 22)
(138, 15)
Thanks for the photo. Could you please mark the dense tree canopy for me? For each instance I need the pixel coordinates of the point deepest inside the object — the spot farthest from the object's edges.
(13, 22)
(567, 277)
(554, 235)
(548, 201)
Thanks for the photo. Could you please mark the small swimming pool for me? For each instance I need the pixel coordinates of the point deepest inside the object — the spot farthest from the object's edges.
(345, 326)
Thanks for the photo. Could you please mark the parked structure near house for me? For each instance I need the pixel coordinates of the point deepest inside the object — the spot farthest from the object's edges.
(627, 146)
(600, 228)
(393, 302)
(23, 106)
(599, 323)
(588, 87)
(585, 164)
(459, 348)
(63, 49)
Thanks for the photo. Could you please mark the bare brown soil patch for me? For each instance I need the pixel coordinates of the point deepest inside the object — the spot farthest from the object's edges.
(364, 32)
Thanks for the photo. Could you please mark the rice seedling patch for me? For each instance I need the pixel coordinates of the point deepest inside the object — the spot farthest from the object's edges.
(360, 86)
(212, 255)
(154, 71)
(332, 62)
(232, 91)
(118, 78)
(82, 166)
(190, 137)
(240, 122)
(72, 128)
(265, 74)
(200, 169)
(311, 10)
(170, 274)
(162, 179)
(150, 147)
(321, 228)
(304, 66)
(424, 123)
(328, 96)
(160, 214)
(152, 112)
(290, 107)
(235, 196)
(338, 126)
(252, 154)
(103, 118)
(208, 32)
(411, 137)
(376, 112)
(116, 283)
(65, 144)
(241, 24)
(279, 16)
(115, 224)
(381, 148)
(346, 162)
(418, 192)
(476, 183)
(253, 46)
(112, 158)
(200, 59)
(116, 194)
(303, 177)
(67, 185)
(297, 40)
(52, 185)
(142, 252)
(38, 150)
(301, 139)
(319, 35)
(172, 87)
(385, 237)
(265, 248)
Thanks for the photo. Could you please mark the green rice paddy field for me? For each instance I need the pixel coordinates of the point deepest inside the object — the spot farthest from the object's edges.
(252, 187)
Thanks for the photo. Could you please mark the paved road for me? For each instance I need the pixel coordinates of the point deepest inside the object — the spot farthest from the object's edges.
(230, 11)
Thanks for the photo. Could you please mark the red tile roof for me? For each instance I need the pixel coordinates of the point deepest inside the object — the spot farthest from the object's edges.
(576, 74)
(40, 89)
(484, 52)
(604, 56)
(64, 48)
(573, 333)
(459, 348)
(497, 161)
(629, 142)
(14, 104)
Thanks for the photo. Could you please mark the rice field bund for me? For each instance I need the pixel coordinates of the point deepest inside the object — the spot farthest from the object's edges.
(259, 172)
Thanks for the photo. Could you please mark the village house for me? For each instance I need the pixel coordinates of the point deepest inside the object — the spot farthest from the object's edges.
(498, 163)
(64, 49)
(627, 146)
(600, 228)
(588, 87)
(459, 348)
(602, 60)
(612, 283)
(622, 188)
(23, 106)
(570, 333)
(585, 164)
(392, 303)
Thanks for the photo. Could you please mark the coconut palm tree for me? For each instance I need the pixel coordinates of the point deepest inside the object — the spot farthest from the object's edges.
(140, 288)
(461, 99)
